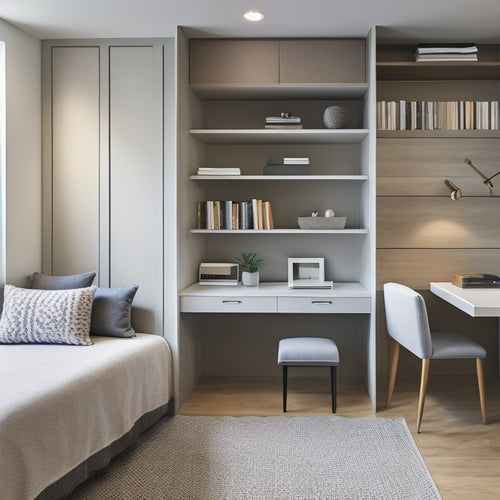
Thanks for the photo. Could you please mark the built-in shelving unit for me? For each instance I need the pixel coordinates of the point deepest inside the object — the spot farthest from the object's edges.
(224, 105)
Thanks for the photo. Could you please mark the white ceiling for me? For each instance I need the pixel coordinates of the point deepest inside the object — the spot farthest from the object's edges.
(425, 20)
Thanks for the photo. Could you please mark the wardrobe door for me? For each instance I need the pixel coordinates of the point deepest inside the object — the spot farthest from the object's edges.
(136, 179)
(74, 189)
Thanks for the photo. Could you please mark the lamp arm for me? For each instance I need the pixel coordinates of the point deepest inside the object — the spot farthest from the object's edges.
(491, 177)
(486, 179)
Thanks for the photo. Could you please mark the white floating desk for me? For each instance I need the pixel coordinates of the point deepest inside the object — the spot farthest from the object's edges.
(478, 302)
(345, 298)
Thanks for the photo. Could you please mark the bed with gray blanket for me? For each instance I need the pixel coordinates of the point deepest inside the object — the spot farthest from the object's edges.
(65, 410)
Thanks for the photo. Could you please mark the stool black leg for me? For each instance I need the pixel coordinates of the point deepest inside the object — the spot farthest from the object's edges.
(333, 377)
(285, 376)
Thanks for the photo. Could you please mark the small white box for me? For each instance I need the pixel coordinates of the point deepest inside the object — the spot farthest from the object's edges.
(307, 272)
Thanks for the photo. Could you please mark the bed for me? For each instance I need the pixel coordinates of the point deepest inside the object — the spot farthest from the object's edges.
(66, 410)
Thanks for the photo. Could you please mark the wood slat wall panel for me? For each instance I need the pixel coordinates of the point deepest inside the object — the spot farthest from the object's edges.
(416, 268)
(424, 157)
(427, 222)
(432, 186)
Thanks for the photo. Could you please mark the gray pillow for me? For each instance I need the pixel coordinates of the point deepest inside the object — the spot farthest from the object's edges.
(46, 316)
(112, 310)
(45, 282)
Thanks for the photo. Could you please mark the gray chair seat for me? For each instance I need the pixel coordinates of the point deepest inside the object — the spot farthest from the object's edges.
(455, 346)
(309, 351)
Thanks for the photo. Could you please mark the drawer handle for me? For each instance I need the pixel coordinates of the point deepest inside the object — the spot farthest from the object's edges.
(322, 302)
(231, 301)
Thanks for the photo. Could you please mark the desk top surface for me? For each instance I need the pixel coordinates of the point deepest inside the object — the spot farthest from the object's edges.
(474, 301)
(275, 290)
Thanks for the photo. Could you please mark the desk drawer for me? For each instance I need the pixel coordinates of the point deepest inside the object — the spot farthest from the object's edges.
(228, 304)
(322, 305)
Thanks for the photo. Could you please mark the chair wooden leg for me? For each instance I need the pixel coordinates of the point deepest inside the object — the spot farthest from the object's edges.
(392, 370)
(480, 382)
(423, 388)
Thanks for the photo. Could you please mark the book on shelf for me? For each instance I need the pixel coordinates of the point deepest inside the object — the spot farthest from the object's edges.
(283, 120)
(283, 127)
(443, 52)
(444, 48)
(218, 171)
(445, 57)
(234, 215)
(437, 115)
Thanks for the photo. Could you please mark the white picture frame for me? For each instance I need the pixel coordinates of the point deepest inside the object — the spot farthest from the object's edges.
(306, 272)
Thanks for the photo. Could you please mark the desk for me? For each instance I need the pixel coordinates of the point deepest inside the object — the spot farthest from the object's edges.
(477, 302)
(345, 298)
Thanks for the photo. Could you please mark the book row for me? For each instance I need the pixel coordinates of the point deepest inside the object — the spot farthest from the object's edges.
(228, 214)
(437, 115)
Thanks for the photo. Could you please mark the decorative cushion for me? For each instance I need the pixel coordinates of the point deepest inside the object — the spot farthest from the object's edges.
(44, 282)
(46, 316)
(112, 310)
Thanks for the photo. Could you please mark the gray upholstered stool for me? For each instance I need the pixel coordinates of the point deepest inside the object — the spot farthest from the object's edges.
(309, 351)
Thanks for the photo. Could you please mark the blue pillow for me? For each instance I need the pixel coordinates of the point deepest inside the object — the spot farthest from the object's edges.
(41, 281)
(111, 312)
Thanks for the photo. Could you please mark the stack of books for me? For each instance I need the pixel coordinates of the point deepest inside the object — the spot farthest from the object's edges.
(234, 215)
(443, 52)
(218, 171)
(287, 166)
(284, 121)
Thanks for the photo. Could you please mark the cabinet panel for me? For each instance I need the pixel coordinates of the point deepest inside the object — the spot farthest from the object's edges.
(234, 61)
(136, 179)
(322, 61)
(75, 159)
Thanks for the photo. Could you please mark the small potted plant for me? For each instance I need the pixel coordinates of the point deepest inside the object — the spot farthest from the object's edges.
(249, 264)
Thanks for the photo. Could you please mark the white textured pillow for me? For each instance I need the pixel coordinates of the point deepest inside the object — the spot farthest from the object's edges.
(46, 316)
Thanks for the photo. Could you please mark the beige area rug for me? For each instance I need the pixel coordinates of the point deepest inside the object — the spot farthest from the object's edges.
(267, 458)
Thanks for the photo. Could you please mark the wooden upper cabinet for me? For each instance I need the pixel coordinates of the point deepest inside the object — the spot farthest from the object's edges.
(272, 62)
(322, 61)
(234, 62)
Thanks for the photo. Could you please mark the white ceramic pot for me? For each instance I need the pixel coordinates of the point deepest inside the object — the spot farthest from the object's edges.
(250, 279)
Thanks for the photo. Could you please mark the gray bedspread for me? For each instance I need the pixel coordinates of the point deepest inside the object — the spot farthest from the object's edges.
(60, 404)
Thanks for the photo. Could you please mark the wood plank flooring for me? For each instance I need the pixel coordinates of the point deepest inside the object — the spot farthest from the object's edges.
(462, 454)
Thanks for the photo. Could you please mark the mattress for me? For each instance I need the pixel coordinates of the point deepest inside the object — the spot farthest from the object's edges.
(61, 404)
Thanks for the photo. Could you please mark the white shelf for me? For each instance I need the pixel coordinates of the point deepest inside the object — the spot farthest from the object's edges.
(279, 231)
(278, 177)
(281, 91)
(280, 136)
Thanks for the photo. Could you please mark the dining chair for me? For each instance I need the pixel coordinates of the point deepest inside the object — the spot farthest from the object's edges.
(408, 326)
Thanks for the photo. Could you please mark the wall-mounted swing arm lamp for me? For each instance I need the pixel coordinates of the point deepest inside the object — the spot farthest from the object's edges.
(487, 180)
(456, 193)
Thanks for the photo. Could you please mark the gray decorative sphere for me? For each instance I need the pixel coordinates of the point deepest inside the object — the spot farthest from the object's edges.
(335, 117)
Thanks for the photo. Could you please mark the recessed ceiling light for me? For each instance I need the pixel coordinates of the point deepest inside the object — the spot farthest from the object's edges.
(254, 15)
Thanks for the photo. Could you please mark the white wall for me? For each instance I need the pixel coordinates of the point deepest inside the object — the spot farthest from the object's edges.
(22, 193)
